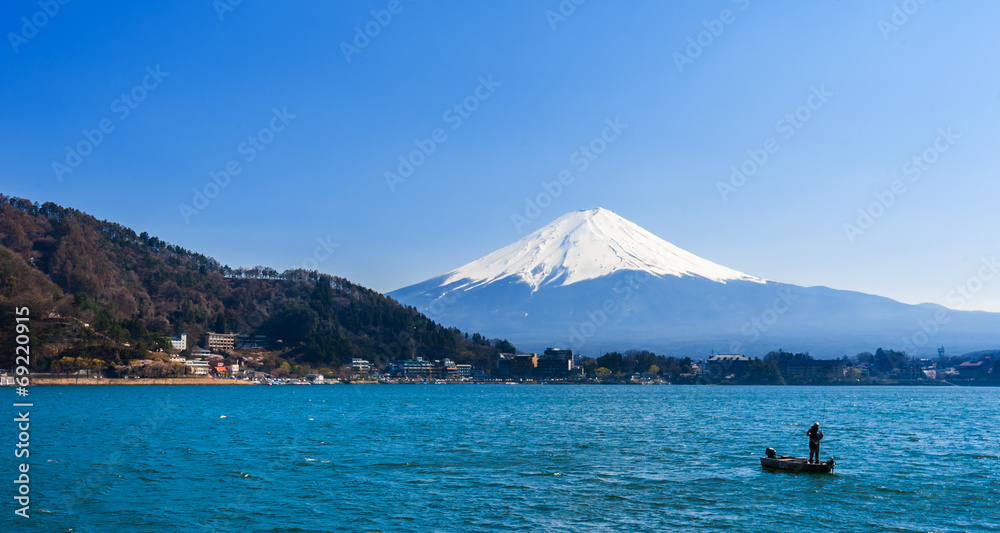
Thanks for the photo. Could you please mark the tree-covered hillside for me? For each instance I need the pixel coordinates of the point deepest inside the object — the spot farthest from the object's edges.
(97, 289)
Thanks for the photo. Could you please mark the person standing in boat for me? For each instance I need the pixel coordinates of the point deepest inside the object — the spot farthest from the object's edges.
(815, 435)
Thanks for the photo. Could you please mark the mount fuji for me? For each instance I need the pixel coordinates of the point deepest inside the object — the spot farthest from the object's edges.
(593, 281)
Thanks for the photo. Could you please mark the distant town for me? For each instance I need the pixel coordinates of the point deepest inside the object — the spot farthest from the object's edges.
(251, 359)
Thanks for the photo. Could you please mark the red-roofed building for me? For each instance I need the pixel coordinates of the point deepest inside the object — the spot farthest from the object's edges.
(221, 370)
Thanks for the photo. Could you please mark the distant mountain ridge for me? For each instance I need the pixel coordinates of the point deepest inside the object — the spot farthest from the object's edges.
(594, 281)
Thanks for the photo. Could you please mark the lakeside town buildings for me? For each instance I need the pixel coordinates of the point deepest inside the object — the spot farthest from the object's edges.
(557, 364)
(734, 366)
(421, 368)
(554, 363)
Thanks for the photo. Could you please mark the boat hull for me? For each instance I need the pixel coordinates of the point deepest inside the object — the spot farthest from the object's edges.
(796, 464)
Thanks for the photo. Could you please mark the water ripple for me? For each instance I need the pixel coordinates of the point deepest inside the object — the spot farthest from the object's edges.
(468, 458)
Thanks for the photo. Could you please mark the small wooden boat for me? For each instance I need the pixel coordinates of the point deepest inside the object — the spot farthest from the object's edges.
(794, 464)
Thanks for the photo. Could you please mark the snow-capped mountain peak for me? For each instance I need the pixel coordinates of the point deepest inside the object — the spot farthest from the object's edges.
(559, 286)
(583, 245)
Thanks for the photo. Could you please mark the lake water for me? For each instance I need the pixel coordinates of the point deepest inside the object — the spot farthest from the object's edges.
(506, 458)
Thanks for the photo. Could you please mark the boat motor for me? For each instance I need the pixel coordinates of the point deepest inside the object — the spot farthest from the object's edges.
(771, 453)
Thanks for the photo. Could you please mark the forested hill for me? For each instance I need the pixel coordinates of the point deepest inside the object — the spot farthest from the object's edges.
(133, 290)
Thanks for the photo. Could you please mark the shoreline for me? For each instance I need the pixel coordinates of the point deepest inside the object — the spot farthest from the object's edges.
(126, 382)
(92, 382)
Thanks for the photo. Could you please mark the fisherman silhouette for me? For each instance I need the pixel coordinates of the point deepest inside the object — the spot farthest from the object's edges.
(815, 435)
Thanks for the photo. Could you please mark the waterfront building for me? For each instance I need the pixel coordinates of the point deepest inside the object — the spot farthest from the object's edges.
(503, 365)
(198, 367)
(947, 373)
(523, 365)
(910, 373)
(795, 369)
(220, 341)
(443, 369)
(221, 369)
(972, 370)
(555, 363)
(414, 368)
(725, 364)
(179, 343)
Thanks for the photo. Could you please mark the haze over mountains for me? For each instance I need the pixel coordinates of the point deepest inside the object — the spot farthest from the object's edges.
(594, 281)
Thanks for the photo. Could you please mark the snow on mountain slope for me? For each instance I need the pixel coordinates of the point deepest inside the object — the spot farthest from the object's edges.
(595, 282)
(583, 245)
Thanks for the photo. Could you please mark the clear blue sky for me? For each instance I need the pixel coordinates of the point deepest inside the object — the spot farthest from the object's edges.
(889, 88)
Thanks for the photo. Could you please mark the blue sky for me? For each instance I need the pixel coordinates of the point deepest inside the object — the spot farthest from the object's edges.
(313, 117)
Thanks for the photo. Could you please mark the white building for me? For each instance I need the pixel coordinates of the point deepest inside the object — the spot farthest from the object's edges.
(180, 343)
(198, 368)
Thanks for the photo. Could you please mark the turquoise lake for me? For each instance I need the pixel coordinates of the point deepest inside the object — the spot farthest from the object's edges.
(506, 458)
